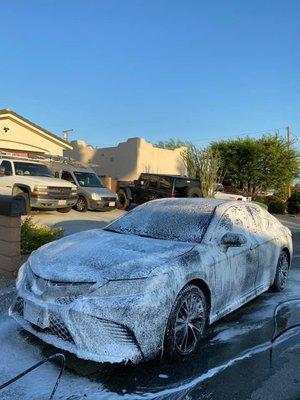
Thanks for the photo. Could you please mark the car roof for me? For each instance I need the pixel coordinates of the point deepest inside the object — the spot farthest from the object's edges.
(169, 176)
(23, 160)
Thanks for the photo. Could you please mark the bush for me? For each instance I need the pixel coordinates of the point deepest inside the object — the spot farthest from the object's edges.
(293, 203)
(34, 236)
(276, 206)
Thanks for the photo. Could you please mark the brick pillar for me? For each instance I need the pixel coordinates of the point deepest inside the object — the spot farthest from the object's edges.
(11, 209)
(10, 253)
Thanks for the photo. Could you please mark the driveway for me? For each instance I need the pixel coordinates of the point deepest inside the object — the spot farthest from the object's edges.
(75, 221)
(236, 360)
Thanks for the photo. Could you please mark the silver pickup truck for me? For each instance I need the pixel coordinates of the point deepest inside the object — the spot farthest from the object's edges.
(35, 182)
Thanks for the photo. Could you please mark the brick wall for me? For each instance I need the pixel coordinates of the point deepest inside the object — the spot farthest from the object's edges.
(10, 258)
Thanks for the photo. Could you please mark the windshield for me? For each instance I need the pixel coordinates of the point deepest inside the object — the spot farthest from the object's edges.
(31, 169)
(88, 179)
(184, 220)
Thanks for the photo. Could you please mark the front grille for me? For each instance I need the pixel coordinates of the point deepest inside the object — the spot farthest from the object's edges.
(62, 293)
(56, 328)
(59, 192)
(66, 300)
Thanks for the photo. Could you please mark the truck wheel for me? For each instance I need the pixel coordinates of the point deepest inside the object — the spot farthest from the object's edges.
(20, 193)
(186, 323)
(123, 202)
(194, 192)
(81, 204)
(64, 210)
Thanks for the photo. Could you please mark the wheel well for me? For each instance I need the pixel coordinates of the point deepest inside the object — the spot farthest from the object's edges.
(202, 285)
(21, 188)
(286, 250)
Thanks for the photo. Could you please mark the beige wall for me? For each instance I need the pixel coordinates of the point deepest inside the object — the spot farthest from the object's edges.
(25, 137)
(126, 161)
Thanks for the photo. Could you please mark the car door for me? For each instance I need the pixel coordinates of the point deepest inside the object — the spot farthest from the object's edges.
(165, 186)
(264, 231)
(140, 195)
(236, 267)
(151, 192)
(6, 181)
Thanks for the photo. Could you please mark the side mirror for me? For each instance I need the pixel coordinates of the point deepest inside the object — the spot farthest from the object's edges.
(233, 240)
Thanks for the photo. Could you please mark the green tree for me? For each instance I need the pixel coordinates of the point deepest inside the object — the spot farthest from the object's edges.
(257, 164)
(172, 144)
(203, 164)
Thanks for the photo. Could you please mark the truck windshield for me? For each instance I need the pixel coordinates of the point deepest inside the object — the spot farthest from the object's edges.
(88, 179)
(31, 169)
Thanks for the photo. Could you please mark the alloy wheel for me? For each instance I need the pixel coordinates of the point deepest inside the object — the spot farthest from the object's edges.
(189, 324)
(283, 268)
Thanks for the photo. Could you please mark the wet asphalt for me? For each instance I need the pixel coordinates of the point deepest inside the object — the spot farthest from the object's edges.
(237, 359)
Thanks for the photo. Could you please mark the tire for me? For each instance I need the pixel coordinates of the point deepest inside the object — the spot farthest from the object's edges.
(81, 204)
(181, 339)
(193, 192)
(123, 202)
(20, 193)
(64, 210)
(283, 266)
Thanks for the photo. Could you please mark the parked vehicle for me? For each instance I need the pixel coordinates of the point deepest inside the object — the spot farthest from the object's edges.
(35, 182)
(92, 193)
(151, 281)
(155, 186)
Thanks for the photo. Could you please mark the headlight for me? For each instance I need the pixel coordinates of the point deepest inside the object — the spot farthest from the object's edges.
(96, 196)
(21, 275)
(74, 190)
(131, 287)
(40, 189)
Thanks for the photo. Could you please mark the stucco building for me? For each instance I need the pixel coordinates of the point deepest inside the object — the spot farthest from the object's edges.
(126, 161)
(22, 137)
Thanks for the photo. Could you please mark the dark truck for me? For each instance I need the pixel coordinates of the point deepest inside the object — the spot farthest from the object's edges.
(156, 186)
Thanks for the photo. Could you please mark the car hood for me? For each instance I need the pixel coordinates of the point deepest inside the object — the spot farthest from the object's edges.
(94, 255)
(104, 192)
(45, 181)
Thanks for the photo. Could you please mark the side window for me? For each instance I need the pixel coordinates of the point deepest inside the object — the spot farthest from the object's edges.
(152, 182)
(235, 219)
(259, 222)
(7, 167)
(67, 176)
(181, 186)
(165, 184)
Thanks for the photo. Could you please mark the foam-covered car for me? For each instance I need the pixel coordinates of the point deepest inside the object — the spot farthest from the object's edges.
(151, 281)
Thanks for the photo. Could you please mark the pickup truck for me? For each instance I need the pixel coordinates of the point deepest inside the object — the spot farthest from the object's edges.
(35, 182)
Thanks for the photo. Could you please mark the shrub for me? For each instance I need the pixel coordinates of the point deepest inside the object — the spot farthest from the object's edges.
(293, 203)
(34, 236)
(276, 206)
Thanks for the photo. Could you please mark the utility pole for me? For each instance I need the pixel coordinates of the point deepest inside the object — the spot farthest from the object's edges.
(66, 134)
(288, 137)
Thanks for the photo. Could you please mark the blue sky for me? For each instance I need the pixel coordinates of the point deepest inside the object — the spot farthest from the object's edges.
(113, 69)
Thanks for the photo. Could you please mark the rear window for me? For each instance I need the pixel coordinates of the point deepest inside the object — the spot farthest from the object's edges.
(160, 219)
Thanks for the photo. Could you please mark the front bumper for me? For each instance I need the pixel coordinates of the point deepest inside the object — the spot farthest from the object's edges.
(43, 202)
(85, 335)
(103, 204)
